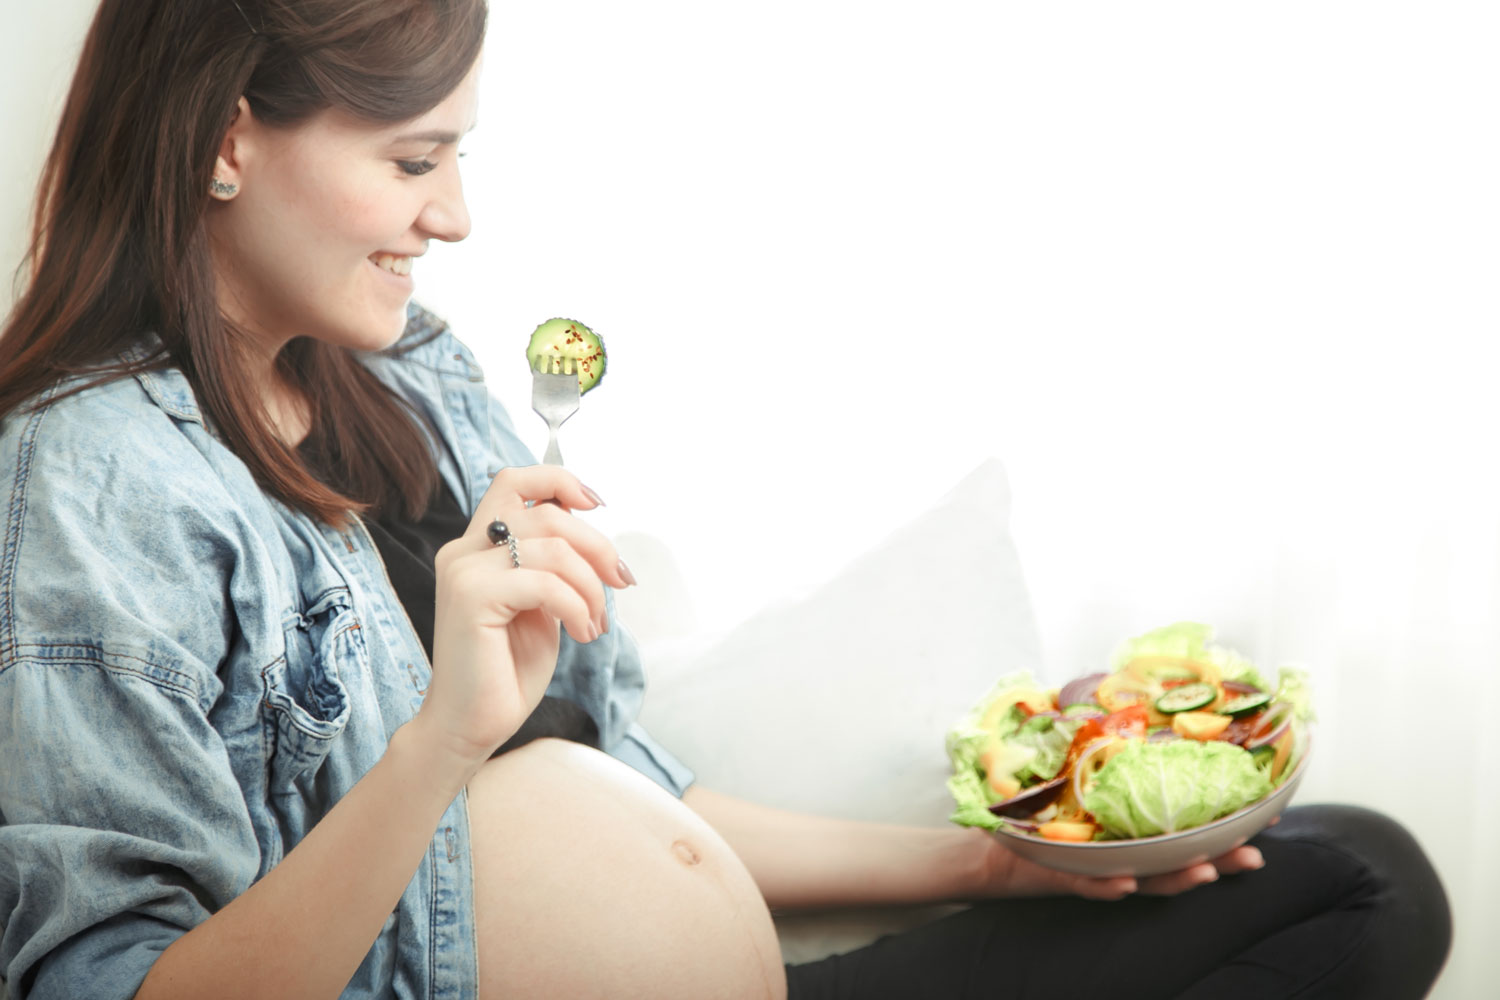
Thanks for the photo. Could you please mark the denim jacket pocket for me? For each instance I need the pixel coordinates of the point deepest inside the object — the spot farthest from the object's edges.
(306, 704)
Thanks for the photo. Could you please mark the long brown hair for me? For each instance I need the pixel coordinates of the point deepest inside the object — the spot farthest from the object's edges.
(119, 245)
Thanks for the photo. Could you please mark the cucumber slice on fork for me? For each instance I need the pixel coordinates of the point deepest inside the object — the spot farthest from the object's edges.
(565, 346)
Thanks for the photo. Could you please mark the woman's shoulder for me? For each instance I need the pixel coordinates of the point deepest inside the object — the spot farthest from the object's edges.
(132, 438)
(121, 522)
(113, 415)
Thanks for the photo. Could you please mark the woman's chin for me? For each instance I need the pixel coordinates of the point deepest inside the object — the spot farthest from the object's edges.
(394, 328)
(376, 332)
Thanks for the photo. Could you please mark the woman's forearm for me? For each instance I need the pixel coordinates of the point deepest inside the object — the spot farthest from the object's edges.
(801, 861)
(319, 911)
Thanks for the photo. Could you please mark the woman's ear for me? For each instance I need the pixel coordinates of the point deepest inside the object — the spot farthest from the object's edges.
(227, 166)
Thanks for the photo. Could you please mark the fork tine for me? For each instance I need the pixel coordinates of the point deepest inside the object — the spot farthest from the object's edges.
(555, 366)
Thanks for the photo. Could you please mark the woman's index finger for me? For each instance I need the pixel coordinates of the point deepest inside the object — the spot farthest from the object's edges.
(531, 484)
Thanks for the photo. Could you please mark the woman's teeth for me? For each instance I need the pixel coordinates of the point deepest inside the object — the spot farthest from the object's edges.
(392, 263)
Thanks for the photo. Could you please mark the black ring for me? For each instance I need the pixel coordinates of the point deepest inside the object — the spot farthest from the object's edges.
(499, 533)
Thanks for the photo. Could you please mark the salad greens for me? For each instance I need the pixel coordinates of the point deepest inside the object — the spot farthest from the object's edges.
(1148, 788)
(1189, 641)
(1117, 755)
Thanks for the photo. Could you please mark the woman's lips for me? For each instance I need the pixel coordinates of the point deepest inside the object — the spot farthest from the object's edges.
(393, 271)
(393, 263)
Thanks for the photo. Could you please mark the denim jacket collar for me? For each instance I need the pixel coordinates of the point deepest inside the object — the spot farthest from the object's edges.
(168, 387)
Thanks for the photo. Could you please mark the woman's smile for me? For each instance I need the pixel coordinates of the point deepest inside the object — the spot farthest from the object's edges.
(393, 272)
(394, 263)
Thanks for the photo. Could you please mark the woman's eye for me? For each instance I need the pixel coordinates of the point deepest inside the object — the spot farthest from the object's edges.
(416, 168)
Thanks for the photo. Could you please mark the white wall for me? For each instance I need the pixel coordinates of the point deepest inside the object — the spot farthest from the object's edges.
(1214, 283)
(38, 50)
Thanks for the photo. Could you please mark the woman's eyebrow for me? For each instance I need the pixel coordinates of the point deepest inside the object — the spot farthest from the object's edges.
(437, 136)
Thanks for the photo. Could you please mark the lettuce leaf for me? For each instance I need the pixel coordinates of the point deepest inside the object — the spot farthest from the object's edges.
(1293, 688)
(1152, 788)
(994, 716)
(1002, 694)
(972, 801)
(1187, 640)
(1234, 667)
(1190, 641)
(1024, 750)
(1049, 740)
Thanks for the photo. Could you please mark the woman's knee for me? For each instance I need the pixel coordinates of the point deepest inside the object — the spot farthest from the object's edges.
(1385, 847)
(1413, 919)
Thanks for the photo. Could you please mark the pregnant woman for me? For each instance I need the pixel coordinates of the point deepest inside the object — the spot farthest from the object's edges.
(310, 683)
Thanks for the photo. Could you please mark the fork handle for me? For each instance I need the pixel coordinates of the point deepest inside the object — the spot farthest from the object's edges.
(554, 454)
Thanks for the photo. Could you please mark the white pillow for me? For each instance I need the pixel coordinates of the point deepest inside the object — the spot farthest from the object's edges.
(837, 703)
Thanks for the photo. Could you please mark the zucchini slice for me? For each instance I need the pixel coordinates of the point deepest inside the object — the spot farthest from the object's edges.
(1245, 704)
(1186, 698)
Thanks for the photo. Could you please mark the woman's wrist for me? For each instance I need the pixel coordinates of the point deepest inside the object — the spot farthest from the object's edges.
(431, 761)
(966, 865)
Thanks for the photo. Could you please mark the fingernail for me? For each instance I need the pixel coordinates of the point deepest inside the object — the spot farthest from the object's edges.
(625, 574)
(593, 632)
(602, 626)
(598, 501)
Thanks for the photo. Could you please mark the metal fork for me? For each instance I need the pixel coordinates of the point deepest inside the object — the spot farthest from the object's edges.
(554, 396)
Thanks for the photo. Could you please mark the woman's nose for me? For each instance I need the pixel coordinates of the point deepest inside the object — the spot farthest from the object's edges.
(446, 216)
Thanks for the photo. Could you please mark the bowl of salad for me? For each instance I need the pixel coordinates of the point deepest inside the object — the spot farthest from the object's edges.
(1180, 752)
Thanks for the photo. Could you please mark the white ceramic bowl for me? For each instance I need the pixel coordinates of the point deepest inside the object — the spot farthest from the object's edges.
(1167, 852)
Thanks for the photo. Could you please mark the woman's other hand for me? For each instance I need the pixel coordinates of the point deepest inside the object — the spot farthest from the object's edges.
(495, 632)
(1007, 874)
(803, 861)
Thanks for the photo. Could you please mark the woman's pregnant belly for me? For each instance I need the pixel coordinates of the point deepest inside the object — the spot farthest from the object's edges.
(591, 881)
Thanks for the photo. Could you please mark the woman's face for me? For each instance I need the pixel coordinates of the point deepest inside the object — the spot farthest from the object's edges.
(321, 238)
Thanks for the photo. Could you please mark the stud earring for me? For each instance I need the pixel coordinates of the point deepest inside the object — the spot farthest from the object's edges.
(219, 189)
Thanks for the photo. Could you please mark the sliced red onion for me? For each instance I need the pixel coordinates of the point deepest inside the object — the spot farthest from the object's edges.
(1276, 730)
(1084, 716)
(1022, 825)
(1081, 691)
(1239, 687)
(1083, 758)
(1031, 801)
(1162, 736)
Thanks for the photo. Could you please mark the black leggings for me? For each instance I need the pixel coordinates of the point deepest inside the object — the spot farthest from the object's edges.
(1346, 906)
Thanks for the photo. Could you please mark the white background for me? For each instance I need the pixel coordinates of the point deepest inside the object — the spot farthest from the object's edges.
(1215, 282)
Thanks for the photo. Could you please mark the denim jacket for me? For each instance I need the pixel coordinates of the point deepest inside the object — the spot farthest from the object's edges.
(192, 674)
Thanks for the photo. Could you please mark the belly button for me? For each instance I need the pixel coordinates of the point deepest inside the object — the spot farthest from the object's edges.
(685, 852)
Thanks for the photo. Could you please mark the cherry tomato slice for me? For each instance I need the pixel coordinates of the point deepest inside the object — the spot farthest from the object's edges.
(1130, 721)
(1127, 722)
